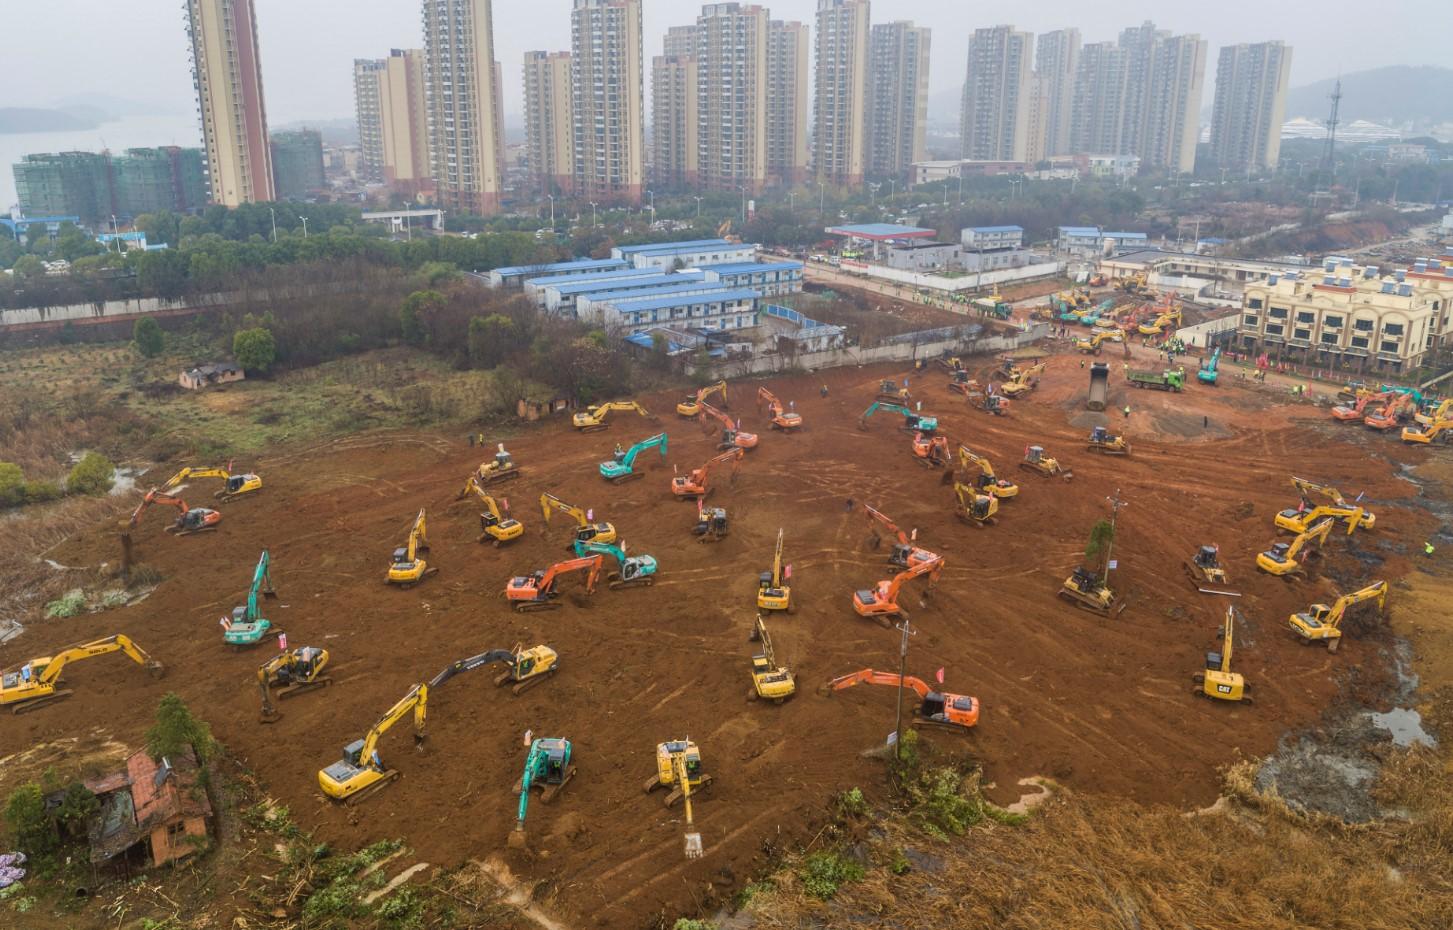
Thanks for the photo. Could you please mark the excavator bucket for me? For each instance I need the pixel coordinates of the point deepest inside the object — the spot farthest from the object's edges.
(517, 838)
(693, 845)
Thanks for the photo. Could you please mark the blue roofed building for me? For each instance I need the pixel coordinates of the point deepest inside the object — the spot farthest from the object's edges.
(717, 310)
(991, 238)
(1077, 240)
(771, 278)
(667, 255)
(559, 296)
(515, 275)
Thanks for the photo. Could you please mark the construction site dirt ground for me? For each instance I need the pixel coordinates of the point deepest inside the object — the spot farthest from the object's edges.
(1099, 705)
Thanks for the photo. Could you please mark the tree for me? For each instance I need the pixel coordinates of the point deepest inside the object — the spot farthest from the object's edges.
(12, 485)
(148, 337)
(1102, 534)
(177, 728)
(94, 474)
(72, 243)
(28, 266)
(32, 830)
(414, 316)
(492, 339)
(255, 349)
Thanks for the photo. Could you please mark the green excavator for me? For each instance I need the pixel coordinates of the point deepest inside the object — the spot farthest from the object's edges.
(247, 626)
(633, 570)
(548, 768)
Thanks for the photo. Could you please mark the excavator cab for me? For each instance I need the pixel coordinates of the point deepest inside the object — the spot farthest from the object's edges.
(711, 524)
(196, 520)
(665, 776)
(958, 709)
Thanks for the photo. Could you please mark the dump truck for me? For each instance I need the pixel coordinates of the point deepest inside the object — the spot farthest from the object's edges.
(1172, 379)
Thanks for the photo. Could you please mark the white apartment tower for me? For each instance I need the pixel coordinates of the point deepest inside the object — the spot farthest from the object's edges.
(1056, 62)
(607, 100)
(995, 112)
(841, 106)
(548, 123)
(787, 102)
(1250, 106)
(1097, 119)
(462, 100)
(897, 97)
(227, 69)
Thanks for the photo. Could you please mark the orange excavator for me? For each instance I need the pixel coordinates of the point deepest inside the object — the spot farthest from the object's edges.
(782, 418)
(697, 484)
(904, 553)
(931, 451)
(731, 437)
(1401, 407)
(536, 591)
(189, 520)
(958, 712)
(1355, 412)
(881, 601)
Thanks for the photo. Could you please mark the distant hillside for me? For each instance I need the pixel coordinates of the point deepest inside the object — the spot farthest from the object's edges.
(1398, 94)
(115, 107)
(26, 119)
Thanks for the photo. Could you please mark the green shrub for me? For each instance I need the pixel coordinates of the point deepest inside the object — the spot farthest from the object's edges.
(851, 803)
(31, 827)
(94, 474)
(176, 728)
(941, 806)
(148, 337)
(691, 923)
(12, 485)
(822, 873)
(255, 349)
(37, 492)
(69, 604)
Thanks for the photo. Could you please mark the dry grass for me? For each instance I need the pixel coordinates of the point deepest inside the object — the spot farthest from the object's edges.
(28, 582)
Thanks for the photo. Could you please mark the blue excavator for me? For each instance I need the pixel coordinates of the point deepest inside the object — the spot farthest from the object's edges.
(1208, 372)
(632, 571)
(913, 422)
(247, 626)
(548, 768)
(621, 467)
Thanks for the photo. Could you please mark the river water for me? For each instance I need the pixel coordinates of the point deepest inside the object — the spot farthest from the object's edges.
(119, 135)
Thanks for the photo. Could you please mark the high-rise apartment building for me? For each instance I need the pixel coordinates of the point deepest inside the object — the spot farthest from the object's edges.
(607, 100)
(462, 102)
(1036, 119)
(995, 111)
(840, 132)
(98, 185)
(673, 120)
(548, 143)
(787, 102)
(1098, 118)
(731, 93)
(297, 163)
(393, 122)
(1250, 105)
(1056, 62)
(368, 80)
(897, 97)
(1173, 117)
(679, 40)
(227, 69)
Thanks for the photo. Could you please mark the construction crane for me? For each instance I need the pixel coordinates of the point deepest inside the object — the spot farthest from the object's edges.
(782, 418)
(770, 681)
(956, 712)
(697, 484)
(1204, 569)
(524, 668)
(1297, 521)
(904, 553)
(622, 465)
(536, 591)
(881, 601)
(236, 484)
(1437, 431)
(973, 507)
(361, 772)
(712, 524)
(1103, 442)
(731, 437)
(1208, 373)
(585, 531)
(987, 482)
(547, 767)
(493, 523)
(593, 418)
(667, 774)
(189, 519)
(1321, 623)
(288, 674)
(931, 451)
(1035, 460)
(912, 422)
(691, 406)
(37, 682)
(247, 626)
(773, 592)
(636, 571)
(1217, 681)
(501, 468)
(407, 567)
(1281, 558)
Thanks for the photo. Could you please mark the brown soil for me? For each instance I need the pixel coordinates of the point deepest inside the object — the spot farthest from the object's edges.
(1099, 705)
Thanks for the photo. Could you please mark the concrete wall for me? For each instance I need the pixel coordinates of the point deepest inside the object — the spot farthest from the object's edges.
(122, 309)
(966, 283)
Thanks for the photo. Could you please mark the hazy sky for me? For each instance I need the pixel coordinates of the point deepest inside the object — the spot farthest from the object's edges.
(138, 49)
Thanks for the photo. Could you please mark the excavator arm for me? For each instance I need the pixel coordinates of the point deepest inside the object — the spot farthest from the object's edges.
(1376, 591)
(590, 564)
(550, 502)
(871, 677)
(877, 516)
(472, 663)
(118, 643)
(416, 701)
(1318, 534)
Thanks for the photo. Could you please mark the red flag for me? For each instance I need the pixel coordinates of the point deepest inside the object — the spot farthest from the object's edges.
(787, 572)
(939, 675)
(282, 642)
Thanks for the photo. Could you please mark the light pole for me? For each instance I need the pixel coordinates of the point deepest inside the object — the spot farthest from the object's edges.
(652, 195)
(273, 214)
(698, 207)
(1115, 504)
(744, 205)
(892, 188)
(593, 223)
(821, 197)
(792, 202)
(115, 235)
(305, 225)
(961, 185)
(552, 210)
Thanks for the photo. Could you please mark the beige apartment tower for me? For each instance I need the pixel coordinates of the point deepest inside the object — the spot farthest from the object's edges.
(367, 106)
(462, 103)
(607, 100)
(731, 89)
(994, 120)
(673, 121)
(897, 97)
(1056, 62)
(787, 102)
(1250, 106)
(392, 120)
(548, 143)
(840, 112)
(228, 72)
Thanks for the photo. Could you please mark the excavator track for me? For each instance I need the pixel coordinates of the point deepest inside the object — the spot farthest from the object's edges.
(37, 703)
(527, 684)
(930, 723)
(1114, 608)
(622, 479)
(304, 687)
(644, 582)
(528, 606)
(675, 793)
(510, 475)
(384, 780)
(548, 792)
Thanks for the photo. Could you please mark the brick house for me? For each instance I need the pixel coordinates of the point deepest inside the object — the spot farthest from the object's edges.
(200, 376)
(150, 812)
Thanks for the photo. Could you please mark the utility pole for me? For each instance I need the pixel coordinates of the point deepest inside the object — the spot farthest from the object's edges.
(907, 631)
(1115, 504)
(273, 214)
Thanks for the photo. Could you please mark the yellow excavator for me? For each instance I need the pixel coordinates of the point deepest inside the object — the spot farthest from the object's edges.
(37, 682)
(585, 531)
(290, 673)
(593, 418)
(1321, 623)
(1437, 431)
(987, 482)
(1094, 343)
(1444, 411)
(691, 406)
(973, 507)
(1281, 559)
(1297, 521)
(408, 568)
(1023, 381)
(1218, 682)
(667, 775)
(361, 772)
(1343, 508)
(773, 592)
(493, 523)
(523, 668)
(770, 681)
(237, 484)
